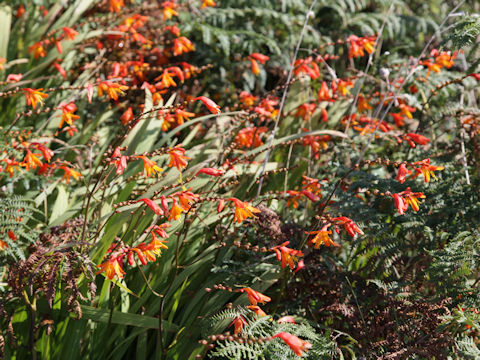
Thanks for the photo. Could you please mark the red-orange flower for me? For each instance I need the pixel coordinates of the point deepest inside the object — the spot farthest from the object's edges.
(211, 172)
(243, 210)
(296, 344)
(321, 237)
(182, 45)
(34, 96)
(405, 198)
(113, 90)
(31, 160)
(210, 104)
(238, 323)
(152, 205)
(207, 3)
(112, 267)
(185, 198)
(37, 50)
(178, 158)
(257, 310)
(426, 169)
(255, 297)
(169, 10)
(127, 116)
(68, 115)
(68, 173)
(348, 224)
(11, 166)
(149, 167)
(175, 212)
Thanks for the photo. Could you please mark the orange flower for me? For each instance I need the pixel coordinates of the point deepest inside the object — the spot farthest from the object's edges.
(175, 212)
(286, 255)
(402, 173)
(68, 173)
(111, 89)
(343, 87)
(169, 10)
(255, 67)
(3, 245)
(407, 110)
(210, 104)
(152, 205)
(238, 322)
(2, 61)
(31, 160)
(182, 115)
(243, 210)
(69, 33)
(411, 198)
(247, 99)
(37, 50)
(321, 237)
(11, 166)
(185, 198)
(116, 5)
(34, 96)
(348, 224)
(127, 116)
(426, 169)
(112, 267)
(182, 45)
(149, 167)
(296, 344)
(363, 104)
(262, 59)
(250, 136)
(413, 139)
(324, 93)
(305, 111)
(68, 115)
(256, 309)
(255, 297)
(207, 3)
(166, 80)
(178, 158)
(357, 45)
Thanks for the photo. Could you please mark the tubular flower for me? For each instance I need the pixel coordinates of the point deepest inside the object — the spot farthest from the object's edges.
(255, 297)
(3, 245)
(68, 115)
(149, 167)
(127, 116)
(426, 169)
(2, 61)
(116, 5)
(31, 160)
(286, 255)
(358, 44)
(324, 93)
(262, 59)
(402, 173)
(182, 115)
(343, 86)
(256, 309)
(255, 67)
(400, 203)
(238, 323)
(178, 158)
(306, 111)
(407, 110)
(312, 185)
(37, 50)
(34, 96)
(113, 90)
(207, 3)
(46, 152)
(169, 10)
(175, 212)
(413, 139)
(112, 267)
(250, 136)
(409, 198)
(68, 173)
(210, 104)
(211, 172)
(296, 344)
(185, 198)
(10, 167)
(69, 33)
(182, 45)
(166, 80)
(243, 210)
(348, 224)
(160, 230)
(363, 104)
(152, 205)
(247, 99)
(321, 237)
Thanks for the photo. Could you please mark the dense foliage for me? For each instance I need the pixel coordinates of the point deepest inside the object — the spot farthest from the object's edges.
(239, 179)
